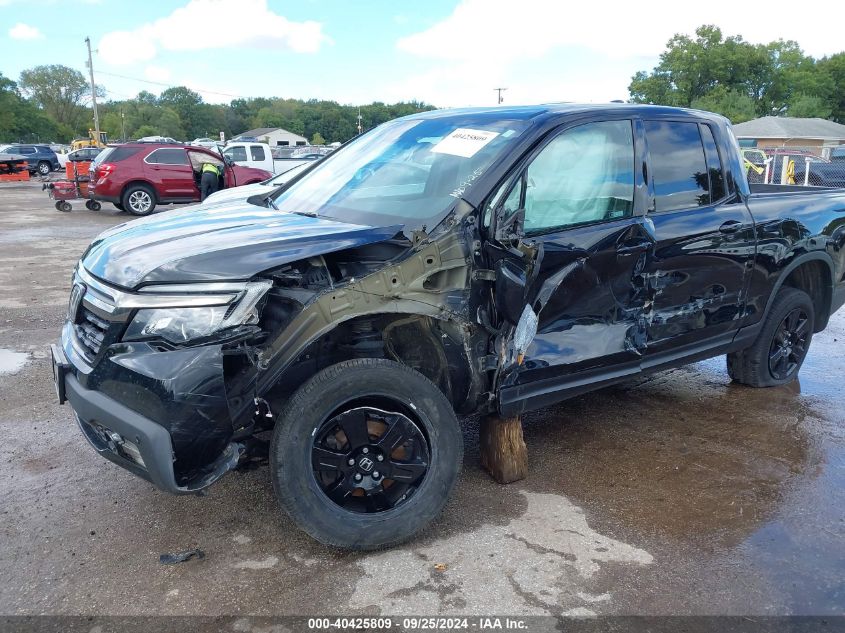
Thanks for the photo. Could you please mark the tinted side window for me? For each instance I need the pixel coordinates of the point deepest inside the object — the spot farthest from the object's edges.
(168, 157)
(584, 175)
(26, 150)
(121, 153)
(715, 169)
(677, 165)
(237, 154)
(257, 152)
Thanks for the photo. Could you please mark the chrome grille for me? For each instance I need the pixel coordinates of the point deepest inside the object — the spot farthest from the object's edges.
(90, 331)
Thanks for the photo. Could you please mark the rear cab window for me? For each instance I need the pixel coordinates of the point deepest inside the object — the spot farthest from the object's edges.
(257, 152)
(715, 169)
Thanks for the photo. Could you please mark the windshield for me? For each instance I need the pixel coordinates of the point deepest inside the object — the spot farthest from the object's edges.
(409, 171)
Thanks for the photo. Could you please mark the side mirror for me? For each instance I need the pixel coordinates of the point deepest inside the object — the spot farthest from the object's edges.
(511, 289)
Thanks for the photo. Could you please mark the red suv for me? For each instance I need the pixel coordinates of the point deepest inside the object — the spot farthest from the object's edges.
(135, 177)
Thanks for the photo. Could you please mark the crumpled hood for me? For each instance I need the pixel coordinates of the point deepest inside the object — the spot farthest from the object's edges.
(232, 241)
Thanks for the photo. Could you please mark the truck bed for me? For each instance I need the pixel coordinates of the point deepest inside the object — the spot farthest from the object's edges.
(760, 189)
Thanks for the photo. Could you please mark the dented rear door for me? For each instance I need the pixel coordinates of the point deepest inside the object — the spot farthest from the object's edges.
(697, 276)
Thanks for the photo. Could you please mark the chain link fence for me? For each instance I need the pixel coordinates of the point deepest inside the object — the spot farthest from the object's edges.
(808, 166)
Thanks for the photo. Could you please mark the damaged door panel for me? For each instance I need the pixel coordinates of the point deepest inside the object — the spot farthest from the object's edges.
(705, 247)
(587, 291)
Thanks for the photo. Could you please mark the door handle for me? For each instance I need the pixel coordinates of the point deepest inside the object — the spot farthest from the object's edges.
(633, 247)
(731, 226)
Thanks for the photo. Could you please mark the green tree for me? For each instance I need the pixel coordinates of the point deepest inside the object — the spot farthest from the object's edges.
(146, 130)
(59, 91)
(721, 72)
(733, 104)
(808, 106)
(318, 139)
(833, 68)
(21, 120)
(194, 115)
(690, 68)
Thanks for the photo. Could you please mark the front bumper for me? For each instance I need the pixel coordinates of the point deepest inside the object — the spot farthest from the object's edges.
(131, 440)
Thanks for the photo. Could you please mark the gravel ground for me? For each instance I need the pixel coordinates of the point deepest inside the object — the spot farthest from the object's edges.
(676, 494)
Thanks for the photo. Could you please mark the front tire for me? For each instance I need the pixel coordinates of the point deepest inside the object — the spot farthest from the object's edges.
(139, 200)
(775, 358)
(44, 168)
(365, 454)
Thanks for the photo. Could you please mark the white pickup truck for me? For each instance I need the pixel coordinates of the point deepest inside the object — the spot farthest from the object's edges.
(255, 154)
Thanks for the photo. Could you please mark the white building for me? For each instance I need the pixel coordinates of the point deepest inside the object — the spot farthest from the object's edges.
(274, 136)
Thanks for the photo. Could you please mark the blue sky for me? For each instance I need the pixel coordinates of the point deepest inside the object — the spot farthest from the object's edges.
(445, 52)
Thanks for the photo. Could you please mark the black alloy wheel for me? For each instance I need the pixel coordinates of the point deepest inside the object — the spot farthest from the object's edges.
(365, 453)
(369, 460)
(789, 345)
(776, 355)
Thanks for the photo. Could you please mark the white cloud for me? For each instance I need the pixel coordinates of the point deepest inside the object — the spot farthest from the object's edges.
(23, 31)
(587, 52)
(498, 29)
(211, 24)
(157, 73)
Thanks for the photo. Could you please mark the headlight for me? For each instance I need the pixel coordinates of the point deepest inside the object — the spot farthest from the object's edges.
(183, 324)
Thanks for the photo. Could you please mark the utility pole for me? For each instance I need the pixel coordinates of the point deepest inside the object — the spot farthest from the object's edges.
(500, 91)
(93, 93)
(122, 126)
(360, 127)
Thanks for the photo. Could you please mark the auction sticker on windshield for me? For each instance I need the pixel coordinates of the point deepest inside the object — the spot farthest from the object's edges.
(464, 142)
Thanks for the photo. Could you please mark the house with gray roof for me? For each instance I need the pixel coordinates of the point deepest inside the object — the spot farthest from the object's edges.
(274, 136)
(817, 135)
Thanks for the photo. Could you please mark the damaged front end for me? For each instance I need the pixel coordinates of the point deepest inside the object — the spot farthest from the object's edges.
(148, 384)
(173, 380)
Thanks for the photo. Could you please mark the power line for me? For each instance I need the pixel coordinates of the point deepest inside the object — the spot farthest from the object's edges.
(167, 85)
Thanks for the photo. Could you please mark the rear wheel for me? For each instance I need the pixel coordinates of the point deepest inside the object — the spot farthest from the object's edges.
(365, 454)
(44, 168)
(92, 205)
(779, 351)
(139, 200)
(65, 206)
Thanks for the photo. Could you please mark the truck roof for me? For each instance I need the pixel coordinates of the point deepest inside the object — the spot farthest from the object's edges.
(549, 110)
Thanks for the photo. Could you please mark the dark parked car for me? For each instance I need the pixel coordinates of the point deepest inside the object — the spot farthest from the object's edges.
(489, 260)
(40, 158)
(136, 177)
(822, 173)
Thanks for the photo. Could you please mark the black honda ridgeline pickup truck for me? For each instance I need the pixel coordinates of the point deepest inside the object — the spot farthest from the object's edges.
(489, 260)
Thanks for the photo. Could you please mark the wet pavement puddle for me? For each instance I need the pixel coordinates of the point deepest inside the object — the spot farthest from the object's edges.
(12, 362)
